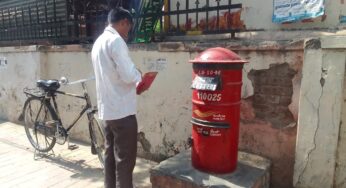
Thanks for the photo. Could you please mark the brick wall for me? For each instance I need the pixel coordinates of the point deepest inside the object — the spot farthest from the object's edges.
(273, 91)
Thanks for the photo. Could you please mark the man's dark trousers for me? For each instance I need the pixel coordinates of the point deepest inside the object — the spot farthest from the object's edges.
(121, 151)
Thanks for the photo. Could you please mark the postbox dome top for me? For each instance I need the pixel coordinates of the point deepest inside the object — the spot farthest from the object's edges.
(218, 55)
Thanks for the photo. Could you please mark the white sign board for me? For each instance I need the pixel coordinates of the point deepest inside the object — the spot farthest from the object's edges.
(295, 10)
(155, 64)
(3, 62)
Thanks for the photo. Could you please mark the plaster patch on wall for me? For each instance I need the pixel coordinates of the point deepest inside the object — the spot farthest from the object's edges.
(247, 88)
(3, 63)
(170, 147)
(144, 141)
(2, 92)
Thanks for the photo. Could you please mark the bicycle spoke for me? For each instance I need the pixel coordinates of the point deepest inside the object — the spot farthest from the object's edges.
(46, 114)
(39, 112)
(47, 143)
(30, 112)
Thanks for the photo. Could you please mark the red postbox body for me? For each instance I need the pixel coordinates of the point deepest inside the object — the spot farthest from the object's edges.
(217, 81)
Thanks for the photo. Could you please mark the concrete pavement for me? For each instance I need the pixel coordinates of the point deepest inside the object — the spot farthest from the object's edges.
(76, 168)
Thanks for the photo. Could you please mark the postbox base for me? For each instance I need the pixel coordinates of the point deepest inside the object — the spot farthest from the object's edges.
(252, 171)
(212, 170)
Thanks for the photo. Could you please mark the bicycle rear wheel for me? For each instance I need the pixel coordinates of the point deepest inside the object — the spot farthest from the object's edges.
(97, 139)
(39, 124)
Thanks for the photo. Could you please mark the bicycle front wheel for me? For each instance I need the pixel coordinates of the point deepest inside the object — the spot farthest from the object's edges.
(39, 124)
(98, 139)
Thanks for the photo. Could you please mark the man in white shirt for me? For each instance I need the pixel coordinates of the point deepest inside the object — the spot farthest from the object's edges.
(116, 80)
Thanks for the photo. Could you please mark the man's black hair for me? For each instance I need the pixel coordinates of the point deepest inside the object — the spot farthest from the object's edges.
(117, 14)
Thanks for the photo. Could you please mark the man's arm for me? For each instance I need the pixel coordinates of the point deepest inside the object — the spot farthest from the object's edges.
(125, 67)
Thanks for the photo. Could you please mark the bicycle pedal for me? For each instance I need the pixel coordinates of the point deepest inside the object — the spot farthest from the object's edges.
(72, 147)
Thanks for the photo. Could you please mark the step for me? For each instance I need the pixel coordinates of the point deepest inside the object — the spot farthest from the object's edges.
(252, 171)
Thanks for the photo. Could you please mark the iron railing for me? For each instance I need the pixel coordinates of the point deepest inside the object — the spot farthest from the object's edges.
(30, 20)
(173, 20)
(55, 21)
(59, 21)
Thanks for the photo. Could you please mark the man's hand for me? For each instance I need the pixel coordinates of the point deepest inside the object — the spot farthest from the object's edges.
(139, 85)
(140, 72)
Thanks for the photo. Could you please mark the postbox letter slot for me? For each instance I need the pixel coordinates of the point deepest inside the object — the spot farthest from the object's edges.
(210, 124)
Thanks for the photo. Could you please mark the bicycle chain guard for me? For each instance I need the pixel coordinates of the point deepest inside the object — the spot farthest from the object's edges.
(45, 128)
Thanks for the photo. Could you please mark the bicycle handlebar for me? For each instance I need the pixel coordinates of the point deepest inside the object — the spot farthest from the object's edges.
(81, 81)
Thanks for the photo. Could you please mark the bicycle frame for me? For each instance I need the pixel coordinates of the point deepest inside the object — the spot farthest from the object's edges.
(87, 107)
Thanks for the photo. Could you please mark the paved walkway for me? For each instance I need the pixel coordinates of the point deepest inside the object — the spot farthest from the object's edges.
(77, 168)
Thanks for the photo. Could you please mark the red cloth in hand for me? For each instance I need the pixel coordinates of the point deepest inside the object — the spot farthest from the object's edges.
(146, 82)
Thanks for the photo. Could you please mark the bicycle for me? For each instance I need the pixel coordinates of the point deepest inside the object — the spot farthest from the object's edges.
(43, 125)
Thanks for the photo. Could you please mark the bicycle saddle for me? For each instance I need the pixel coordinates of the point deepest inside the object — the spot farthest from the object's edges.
(48, 84)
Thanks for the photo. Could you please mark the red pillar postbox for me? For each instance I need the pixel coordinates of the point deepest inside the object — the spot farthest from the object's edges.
(217, 81)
